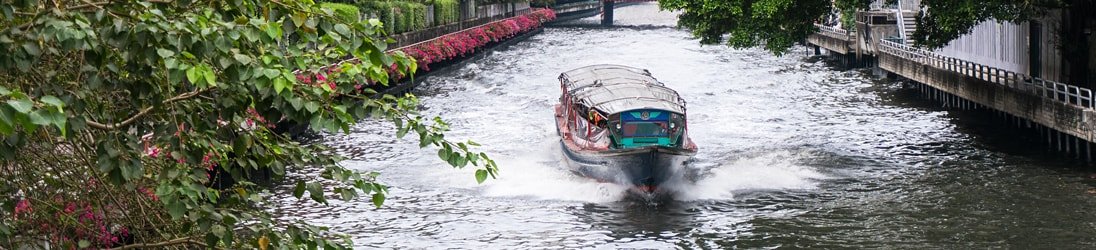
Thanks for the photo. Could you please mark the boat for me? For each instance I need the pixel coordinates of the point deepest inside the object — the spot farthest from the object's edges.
(619, 124)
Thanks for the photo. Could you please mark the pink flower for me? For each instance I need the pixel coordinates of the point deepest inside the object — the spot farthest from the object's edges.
(70, 208)
(23, 206)
(152, 151)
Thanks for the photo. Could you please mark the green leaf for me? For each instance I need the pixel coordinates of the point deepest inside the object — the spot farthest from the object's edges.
(4, 91)
(176, 209)
(242, 59)
(38, 117)
(342, 29)
(165, 53)
(378, 199)
(193, 75)
(21, 106)
(315, 190)
(54, 101)
(218, 231)
(296, 103)
(481, 175)
(279, 85)
(442, 153)
(271, 73)
(274, 31)
(31, 49)
(208, 76)
(59, 120)
(298, 18)
(402, 131)
(7, 121)
(299, 190)
(312, 106)
(84, 244)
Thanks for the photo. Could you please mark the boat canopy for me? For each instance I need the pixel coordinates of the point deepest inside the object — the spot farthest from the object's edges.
(615, 88)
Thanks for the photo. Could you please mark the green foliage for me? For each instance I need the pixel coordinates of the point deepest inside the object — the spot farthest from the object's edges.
(400, 16)
(122, 110)
(485, 2)
(446, 11)
(542, 3)
(775, 25)
(345, 12)
(947, 20)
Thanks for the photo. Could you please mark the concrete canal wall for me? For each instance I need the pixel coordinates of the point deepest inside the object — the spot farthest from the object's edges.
(1062, 115)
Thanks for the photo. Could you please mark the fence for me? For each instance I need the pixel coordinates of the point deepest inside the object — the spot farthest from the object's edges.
(1057, 91)
(409, 38)
(834, 32)
(908, 5)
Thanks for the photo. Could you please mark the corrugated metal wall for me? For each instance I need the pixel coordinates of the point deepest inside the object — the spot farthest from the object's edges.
(1005, 46)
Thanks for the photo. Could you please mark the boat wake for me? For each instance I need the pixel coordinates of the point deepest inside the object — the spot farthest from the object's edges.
(720, 180)
(542, 175)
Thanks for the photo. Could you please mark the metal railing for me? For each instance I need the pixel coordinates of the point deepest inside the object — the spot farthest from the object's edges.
(1057, 91)
(833, 32)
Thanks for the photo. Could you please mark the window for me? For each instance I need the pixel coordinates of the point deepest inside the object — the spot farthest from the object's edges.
(644, 129)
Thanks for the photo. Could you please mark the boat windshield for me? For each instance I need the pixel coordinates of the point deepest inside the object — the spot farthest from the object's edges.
(645, 129)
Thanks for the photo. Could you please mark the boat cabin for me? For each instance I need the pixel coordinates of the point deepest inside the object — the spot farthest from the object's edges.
(620, 107)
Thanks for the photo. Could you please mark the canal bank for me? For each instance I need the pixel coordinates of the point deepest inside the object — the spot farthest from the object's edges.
(1063, 116)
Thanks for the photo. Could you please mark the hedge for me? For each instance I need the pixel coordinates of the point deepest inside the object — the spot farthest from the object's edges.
(446, 11)
(345, 12)
(397, 16)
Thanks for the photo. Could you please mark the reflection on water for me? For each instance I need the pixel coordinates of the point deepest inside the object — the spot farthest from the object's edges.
(793, 153)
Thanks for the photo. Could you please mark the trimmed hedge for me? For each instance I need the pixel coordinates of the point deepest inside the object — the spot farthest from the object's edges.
(345, 12)
(446, 11)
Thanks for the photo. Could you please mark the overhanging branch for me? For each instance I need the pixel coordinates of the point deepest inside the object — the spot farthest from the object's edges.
(144, 111)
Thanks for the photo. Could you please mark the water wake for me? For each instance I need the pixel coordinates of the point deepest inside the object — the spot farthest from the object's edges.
(768, 171)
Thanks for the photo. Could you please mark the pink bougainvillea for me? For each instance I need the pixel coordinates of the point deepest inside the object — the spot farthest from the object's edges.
(462, 43)
(441, 48)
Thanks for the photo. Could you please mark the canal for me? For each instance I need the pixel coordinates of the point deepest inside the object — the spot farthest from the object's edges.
(794, 152)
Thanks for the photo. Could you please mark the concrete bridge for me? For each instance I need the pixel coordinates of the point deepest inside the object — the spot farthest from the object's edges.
(1062, 115)
(567, 10)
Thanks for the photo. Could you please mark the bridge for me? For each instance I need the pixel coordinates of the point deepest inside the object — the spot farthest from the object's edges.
(567, 10)
(1062, 115)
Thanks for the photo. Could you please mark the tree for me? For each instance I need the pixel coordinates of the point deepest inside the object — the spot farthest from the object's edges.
(117, 116)
(775, 25)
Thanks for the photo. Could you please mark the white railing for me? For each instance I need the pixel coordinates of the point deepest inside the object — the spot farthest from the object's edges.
(912, 5)
(878, 5)
(1057, 91)
(833, 32)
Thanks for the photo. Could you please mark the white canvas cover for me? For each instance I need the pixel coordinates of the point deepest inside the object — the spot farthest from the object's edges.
(615, 88)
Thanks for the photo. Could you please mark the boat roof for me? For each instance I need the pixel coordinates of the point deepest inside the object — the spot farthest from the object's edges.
(615, 88)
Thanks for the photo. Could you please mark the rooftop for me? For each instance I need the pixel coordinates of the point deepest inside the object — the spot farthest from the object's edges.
(615, 88)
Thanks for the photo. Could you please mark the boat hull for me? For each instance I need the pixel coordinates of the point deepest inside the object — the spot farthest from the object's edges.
(642, 168)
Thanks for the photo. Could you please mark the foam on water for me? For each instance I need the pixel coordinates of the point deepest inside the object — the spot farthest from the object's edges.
(542, 175)
(769, 171)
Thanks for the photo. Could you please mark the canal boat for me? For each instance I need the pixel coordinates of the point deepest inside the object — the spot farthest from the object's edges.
(619, 124)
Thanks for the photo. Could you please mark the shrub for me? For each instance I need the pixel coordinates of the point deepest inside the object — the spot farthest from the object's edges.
(542, 3)
(446, 11)
(461, 43)
(345, 12)
(397, 16)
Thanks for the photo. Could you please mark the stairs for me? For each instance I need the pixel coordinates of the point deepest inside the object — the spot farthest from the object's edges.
(909, 24)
